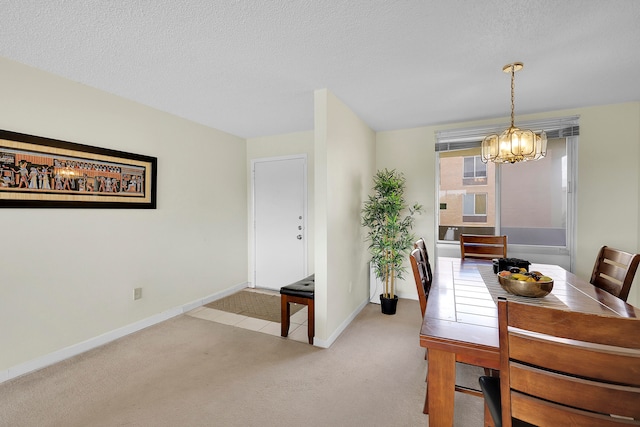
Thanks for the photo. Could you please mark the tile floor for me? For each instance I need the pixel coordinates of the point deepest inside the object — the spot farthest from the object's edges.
(297, 328)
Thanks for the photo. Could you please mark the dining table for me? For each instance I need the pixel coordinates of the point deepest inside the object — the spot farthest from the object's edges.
(461, 320)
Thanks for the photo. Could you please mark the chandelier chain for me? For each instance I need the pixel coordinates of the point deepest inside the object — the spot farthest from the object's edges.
(513, 85)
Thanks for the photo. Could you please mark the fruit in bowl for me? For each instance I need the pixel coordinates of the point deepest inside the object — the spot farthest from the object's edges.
(525, 283)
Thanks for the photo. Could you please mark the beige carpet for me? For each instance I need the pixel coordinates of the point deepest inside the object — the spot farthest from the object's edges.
(253, 304)
(193, 372)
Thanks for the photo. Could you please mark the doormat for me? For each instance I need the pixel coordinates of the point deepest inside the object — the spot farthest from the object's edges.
(253, 304)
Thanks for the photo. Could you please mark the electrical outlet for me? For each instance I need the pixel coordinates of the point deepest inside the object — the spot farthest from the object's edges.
(137, 293)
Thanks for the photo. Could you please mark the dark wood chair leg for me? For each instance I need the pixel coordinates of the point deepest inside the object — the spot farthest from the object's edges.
(488, 420)
(425, 410)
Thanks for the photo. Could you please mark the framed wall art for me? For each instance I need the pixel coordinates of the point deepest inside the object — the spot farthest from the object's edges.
(38, 172)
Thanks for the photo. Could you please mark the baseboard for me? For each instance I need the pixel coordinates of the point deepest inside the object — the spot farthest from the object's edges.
(345, 324)
(413, 296)
(74, 350)
(405, 295)
(327, 343)
(213, 297)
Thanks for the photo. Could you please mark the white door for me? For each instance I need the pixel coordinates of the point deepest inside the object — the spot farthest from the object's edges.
(279, 194)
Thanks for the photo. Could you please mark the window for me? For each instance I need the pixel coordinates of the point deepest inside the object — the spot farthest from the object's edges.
(533, 199)
(474, 207)
(468, 207)
(530, 202)
(475, 172)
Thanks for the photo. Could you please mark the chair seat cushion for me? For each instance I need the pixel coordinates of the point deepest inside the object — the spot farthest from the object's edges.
(302, 288)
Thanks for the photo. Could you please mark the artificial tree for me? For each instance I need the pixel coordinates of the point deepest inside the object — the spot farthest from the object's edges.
(389, 221)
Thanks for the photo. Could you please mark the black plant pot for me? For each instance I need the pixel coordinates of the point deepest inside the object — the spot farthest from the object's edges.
(388, 305)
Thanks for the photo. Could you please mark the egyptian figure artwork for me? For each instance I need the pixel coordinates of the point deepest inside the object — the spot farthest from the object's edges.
(40, 172)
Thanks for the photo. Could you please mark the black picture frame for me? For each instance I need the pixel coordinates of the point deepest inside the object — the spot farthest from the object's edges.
(40, 172)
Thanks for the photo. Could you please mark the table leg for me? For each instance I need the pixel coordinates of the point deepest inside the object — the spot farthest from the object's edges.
(441, 385)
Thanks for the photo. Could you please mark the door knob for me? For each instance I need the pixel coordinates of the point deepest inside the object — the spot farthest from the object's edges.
(299, 237)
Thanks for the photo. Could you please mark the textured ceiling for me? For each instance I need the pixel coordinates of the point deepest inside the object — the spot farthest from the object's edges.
(250, 67)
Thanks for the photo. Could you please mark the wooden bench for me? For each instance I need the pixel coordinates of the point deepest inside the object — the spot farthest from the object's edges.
(300, 292)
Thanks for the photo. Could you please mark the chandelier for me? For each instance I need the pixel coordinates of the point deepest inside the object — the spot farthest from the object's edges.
(514, 144)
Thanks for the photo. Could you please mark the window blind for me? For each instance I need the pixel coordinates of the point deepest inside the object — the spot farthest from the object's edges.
(463, 139)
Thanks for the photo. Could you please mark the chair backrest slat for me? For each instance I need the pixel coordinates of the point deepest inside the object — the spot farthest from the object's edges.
(576, 326)
(420, 244)
(550, 414)
(483, 246)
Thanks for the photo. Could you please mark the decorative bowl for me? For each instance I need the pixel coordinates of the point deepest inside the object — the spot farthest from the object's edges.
(525, 288)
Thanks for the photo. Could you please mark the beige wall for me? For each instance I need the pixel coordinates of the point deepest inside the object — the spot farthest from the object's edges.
(411, 151)
(68, 274)
(345, 160)
(607, 185)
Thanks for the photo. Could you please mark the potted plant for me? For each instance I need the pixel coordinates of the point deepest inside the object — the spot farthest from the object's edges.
(390, 221)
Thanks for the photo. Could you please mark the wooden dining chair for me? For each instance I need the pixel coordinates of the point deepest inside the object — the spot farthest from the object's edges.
(422, 276)
(482, 246)
(562, 368)
(614, 271)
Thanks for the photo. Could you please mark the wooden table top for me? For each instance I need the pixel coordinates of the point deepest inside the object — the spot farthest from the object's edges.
(461, 311)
